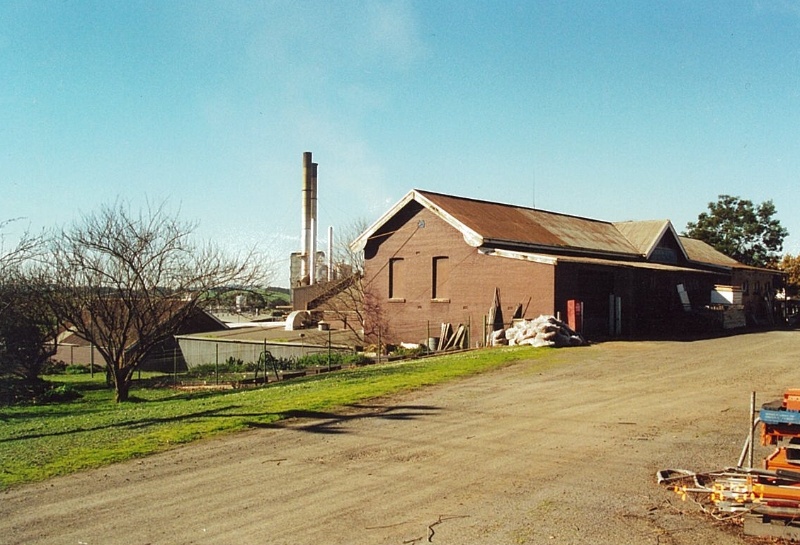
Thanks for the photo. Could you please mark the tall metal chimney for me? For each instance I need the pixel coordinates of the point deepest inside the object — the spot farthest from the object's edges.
(312, 258)
(305, 216)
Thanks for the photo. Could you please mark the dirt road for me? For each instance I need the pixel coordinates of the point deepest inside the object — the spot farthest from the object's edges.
(566, 455)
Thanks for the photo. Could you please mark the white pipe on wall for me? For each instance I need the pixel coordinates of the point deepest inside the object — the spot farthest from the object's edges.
(330, 253)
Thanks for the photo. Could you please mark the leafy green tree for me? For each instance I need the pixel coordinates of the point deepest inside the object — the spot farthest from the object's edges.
(749, 234)
(790, 264)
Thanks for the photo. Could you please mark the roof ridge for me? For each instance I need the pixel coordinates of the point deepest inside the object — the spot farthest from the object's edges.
(510, 205)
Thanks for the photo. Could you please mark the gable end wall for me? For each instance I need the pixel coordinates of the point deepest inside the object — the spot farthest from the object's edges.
(466, 294)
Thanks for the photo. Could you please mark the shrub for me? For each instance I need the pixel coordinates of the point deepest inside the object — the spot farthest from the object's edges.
(357, 359)
(318, 360)
(54, 367)
(336, 358)
(16, 391)
(60, 394)
(409, 352)
(231, 365)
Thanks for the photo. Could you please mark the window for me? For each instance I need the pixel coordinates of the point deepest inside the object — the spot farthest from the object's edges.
(396, 278)
(664, 255)
(439, 275)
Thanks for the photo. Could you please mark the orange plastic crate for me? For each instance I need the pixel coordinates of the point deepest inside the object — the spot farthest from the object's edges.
(791, 399)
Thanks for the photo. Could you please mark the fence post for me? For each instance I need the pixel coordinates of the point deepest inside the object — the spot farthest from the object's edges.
(428, 337)
(752, 427)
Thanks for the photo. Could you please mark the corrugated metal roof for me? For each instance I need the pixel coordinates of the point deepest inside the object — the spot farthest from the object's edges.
(490, 225)
(275, 332)
(700, 252)
(643, 234)
(504, 223)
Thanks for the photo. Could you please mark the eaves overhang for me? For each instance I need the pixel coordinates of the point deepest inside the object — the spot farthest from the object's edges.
(715, 266)
(360, 242)
(667, 227)
(554, 260)
(561, 250)
(471, 237)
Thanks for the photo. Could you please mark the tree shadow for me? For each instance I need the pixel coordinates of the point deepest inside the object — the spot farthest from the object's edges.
(134, 424)
(334, 423)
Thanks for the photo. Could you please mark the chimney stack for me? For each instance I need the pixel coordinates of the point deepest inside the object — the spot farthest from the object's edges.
(312, 258)
(308, 237)
(304, 216)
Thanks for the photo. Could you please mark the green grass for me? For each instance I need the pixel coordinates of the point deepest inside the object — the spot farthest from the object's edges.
(39, 442)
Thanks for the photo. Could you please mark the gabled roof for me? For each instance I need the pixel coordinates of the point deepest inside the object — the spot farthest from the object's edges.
(646, 235)
(491, 225)
(700, 252)
(484, 223)
(199, 320)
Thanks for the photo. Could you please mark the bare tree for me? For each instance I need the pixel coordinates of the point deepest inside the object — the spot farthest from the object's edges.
(358, 309)
(344, 253)
(355, 304)
(127, 281)
(27, 248)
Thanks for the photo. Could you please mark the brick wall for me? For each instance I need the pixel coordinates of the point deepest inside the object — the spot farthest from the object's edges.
(466, 280)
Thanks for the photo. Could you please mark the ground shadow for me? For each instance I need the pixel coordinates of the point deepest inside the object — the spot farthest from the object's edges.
(335, 422)
(131, 424)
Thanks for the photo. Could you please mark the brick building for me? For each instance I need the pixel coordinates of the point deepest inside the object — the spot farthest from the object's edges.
(435, 258)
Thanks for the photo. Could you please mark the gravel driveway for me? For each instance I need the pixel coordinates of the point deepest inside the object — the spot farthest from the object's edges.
(565, 455)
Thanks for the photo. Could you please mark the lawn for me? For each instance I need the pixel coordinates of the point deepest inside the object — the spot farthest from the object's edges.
(42, 441)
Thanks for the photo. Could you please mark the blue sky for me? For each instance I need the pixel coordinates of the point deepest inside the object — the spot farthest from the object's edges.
(609, 110)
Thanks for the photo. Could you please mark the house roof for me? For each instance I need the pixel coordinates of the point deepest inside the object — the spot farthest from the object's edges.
(200, 320)
(700, 252)
(502, 224)
(491, 225)
(646, 235)
(484, 223)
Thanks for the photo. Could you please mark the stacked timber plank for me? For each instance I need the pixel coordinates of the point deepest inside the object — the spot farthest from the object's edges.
(452, 339)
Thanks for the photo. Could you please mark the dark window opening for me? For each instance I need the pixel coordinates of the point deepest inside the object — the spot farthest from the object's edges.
(440, 274)
(395, 278)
